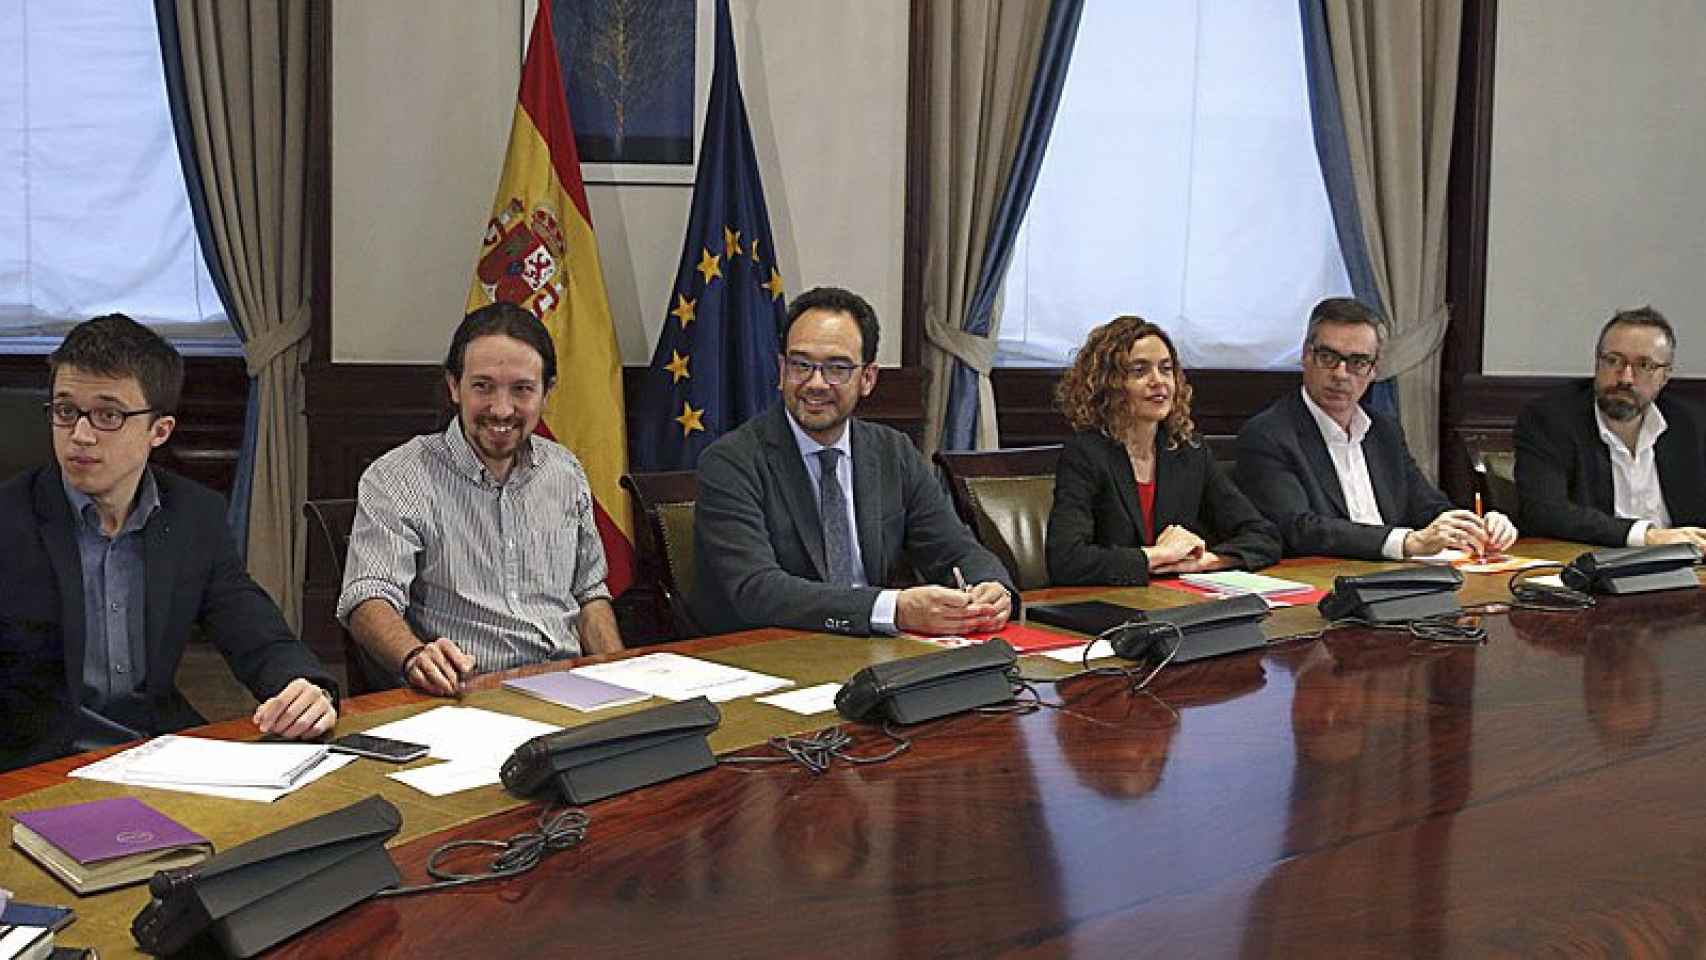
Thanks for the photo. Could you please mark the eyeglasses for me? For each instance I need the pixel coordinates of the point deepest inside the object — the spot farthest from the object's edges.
(1615, 362)
(1357, 364)
(64, 413)
(835, 372)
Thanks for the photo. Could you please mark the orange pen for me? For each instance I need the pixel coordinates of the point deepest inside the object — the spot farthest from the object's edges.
(1482, 516)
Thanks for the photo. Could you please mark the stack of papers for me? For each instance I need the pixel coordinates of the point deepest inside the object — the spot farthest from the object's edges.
(1229, 583)
(675, 677)
(473, 742)
(262, 772)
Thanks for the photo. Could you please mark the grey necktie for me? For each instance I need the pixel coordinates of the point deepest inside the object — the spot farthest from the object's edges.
(832, 512)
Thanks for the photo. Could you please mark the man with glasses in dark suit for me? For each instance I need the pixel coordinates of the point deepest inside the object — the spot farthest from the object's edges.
(808, 517)
(1338, 480)
(1611, 461)
(106, 564)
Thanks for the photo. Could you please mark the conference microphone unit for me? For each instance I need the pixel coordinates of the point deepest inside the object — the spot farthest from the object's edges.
(1629, 570)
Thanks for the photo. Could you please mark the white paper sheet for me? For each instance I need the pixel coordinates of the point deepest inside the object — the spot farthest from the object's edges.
(1076, 654)
(439, 779)
(808, 701)
(113, 770)
(675, 677)
(465, 733)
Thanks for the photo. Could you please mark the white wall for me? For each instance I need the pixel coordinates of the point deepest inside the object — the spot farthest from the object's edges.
(1598, 192)
(423, 91)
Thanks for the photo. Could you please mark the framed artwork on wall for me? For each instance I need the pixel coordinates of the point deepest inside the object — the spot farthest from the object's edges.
(636, 74)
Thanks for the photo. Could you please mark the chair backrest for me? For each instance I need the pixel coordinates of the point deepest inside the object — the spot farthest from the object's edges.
(665, 500)
(330, 522)
(1493, 465)
(1005, 497)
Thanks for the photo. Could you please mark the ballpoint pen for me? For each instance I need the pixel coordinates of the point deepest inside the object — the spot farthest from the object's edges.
(960, 581)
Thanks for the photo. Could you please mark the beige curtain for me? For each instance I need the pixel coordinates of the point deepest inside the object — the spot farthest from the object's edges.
(246, 79)
(1396, 67)
(983, 60)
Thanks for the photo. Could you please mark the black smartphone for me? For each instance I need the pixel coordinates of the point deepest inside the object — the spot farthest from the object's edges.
(379, 748)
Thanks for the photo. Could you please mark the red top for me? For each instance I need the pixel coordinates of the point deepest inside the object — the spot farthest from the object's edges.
(1146, 499)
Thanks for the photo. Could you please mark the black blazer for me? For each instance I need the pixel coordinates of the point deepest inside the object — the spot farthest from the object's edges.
(758, 544)
(193, 576)
(1563, 470)
(1093, 530)
(1284, 467)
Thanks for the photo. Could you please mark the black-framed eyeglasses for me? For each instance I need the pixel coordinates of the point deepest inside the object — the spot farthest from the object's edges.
(1357, 364)
(835, 372)
(64, 413)
(1643, 366)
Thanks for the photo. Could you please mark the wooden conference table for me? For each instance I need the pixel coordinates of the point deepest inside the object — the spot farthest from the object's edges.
(1361, 794)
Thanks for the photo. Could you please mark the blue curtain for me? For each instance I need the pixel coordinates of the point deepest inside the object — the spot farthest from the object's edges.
(1335, 156)
(172, 56)
(1059, 33)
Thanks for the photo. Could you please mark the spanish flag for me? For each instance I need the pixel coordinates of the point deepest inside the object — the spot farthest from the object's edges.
(540, 252)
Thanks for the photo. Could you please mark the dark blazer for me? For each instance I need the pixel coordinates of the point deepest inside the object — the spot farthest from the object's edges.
(1284, 467)
(1093, 530)
(758, 545)
(1563, 470)
(193, 576)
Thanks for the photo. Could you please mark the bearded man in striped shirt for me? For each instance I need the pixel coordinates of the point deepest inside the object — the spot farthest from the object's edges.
(475, 549)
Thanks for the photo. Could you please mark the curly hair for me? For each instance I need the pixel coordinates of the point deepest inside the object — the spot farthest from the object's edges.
(1092, 393)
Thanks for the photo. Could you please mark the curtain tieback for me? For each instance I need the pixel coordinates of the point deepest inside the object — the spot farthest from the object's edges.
(976, 352)
(262, 350)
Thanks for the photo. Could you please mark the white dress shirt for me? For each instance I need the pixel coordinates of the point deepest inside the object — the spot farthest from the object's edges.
(1345, 449)
(882, 612)
(1635, 490)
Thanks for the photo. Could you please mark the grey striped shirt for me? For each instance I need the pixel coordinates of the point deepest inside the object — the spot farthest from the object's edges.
(501, 569)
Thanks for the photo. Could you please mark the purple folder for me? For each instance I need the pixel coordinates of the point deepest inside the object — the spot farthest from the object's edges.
(570, 689)
(105, 829)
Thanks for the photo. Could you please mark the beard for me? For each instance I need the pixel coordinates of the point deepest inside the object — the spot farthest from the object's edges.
(1619, 405)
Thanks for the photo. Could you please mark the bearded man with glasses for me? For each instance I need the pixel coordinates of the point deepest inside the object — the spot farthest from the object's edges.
(810, 518)
(106, 564)
(1610, 460)
(1338, 480)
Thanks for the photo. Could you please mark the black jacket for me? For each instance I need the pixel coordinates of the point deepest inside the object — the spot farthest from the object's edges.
(1284, 467)
(758, 545)
(193, 576)
(1093, 530)
(1563, 470)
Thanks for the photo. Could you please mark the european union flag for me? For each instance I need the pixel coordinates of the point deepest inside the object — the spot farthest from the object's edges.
(715, 363)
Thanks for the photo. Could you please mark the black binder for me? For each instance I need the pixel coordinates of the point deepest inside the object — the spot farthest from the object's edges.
(1093, 617)
(613, 756)
(933, 685)
(1395, 596)
(254, 895)
(1629, 570)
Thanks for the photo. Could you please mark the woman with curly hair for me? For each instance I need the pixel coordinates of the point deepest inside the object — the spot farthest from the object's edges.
(1137, 493)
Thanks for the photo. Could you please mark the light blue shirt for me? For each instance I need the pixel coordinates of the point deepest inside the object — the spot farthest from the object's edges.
(882, 611)
(114, 590)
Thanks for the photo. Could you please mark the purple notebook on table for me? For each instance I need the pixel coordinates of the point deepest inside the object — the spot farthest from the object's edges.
(105, 829)
(570, 689)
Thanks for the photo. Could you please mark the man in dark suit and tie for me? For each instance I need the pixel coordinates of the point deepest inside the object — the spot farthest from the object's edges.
(1611, 461)
(807, 517)
(106, 564)
(1338, 481)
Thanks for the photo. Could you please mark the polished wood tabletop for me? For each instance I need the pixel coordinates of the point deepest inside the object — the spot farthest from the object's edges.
(1361, 794)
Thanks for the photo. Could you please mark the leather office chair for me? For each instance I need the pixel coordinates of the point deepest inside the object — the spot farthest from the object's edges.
(665, 501)
(330, 522)
(1005, 497)
(1493, 466)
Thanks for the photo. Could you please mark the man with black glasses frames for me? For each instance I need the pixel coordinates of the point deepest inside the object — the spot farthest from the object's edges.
(810, 518)
(1339, 481)
(106, 563)
(1611, 461)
